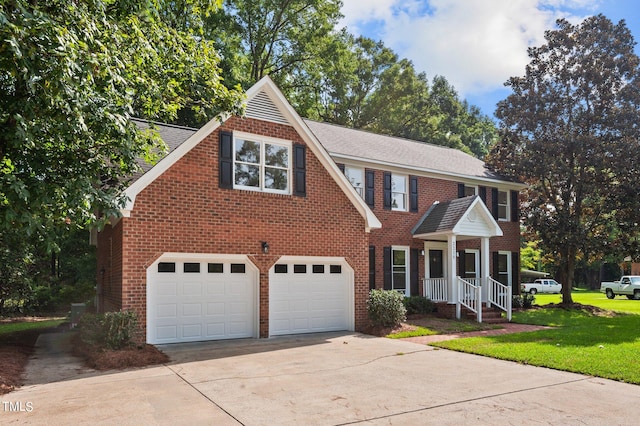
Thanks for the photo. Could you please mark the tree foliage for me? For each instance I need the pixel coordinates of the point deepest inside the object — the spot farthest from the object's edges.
(570, 130)
(71, 76)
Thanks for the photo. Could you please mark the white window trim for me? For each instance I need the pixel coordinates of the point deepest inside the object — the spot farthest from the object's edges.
(262, 140)
(507, 217)
(407, 284)
(405, 193)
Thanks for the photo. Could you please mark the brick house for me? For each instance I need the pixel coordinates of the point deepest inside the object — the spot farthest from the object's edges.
(268, 224)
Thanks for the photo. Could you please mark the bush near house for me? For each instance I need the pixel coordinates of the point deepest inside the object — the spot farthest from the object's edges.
(111, 330)
(416, 305)
(386, 308)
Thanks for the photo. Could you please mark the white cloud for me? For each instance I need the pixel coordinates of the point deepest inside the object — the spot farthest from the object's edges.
(476, 44)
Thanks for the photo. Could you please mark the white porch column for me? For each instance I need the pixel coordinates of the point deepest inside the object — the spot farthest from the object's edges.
(484, 267)
(451, 268)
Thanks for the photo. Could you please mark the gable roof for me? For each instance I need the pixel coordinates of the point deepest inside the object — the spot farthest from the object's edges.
(264, 102)
(467, 217)
(346, 143)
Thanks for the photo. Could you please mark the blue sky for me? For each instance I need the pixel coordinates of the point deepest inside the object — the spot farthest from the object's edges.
(476, 44)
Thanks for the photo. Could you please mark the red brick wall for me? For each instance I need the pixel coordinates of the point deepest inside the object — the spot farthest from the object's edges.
(184, 210)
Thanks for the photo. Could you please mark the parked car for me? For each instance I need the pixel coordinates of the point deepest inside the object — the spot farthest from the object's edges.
(542, 285)
(628, 285)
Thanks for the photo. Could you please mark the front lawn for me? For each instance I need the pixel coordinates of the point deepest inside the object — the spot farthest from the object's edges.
(593, 298)
(596, 344)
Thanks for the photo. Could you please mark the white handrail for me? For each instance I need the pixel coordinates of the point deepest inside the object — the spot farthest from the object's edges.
(500, 296)
(469, 297)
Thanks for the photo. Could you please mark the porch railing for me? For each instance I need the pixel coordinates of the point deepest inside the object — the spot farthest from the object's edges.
(436, 289)
(499, 295)
(469, 296)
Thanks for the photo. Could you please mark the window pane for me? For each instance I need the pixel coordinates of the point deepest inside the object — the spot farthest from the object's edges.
(299, 269)
(502, 262)
(281, 268)
(215, 268)
(399, 257)
(276, 155)
(318, 269)
(275, 179)
(166, 267)
(355, 175)
(191, 267)
(502, 197)
(398, 183)
(399, 280)
(469, 190)
(238, 268)
(502, 212)
(335, 269)
(399, 201)
(247, 175)
(247, 151)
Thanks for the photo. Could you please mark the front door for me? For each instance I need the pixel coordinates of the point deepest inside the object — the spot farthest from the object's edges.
(436, 266)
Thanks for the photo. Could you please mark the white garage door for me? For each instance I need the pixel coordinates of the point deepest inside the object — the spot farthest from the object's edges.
(194, 299)
(308, 295)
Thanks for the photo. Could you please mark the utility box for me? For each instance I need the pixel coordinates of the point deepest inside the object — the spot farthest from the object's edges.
(77, 309)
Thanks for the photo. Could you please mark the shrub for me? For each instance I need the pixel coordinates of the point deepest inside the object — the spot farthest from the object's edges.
(112, 330)
(418, 305)
(385, 307)
(524, 301)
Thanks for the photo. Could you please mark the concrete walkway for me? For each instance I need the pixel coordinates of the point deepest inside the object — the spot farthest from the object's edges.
(322, 379)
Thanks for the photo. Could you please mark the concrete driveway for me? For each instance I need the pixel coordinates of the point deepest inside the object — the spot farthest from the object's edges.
(324, 379)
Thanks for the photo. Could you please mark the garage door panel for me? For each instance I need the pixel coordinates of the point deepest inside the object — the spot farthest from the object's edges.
(308, 302)
(195, 306)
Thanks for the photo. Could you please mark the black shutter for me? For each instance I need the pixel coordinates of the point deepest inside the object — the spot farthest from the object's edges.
(387, 191)
(496, 265)
(483, 194)
(515, 207)
(460, 190)
(414, 267)
(340, 166)
(387, 268)
(369, 187)
(461, 263)
(413, 193)
(494, 203)
(225, 160)
(515, 272)
(372, 267)
(299, 170)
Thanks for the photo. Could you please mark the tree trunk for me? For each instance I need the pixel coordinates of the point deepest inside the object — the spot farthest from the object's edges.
(569, 266)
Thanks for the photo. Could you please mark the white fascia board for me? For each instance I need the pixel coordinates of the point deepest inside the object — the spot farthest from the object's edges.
(371, 221)
(403, 168)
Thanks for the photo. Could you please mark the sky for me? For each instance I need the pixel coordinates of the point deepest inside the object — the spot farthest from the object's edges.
(475, 44)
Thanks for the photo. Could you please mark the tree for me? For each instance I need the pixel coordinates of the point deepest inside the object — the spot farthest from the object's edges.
(71, 76)
(274, 36)
(569, 130)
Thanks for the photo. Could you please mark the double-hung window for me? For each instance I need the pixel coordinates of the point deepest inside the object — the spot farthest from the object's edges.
(503, 206)
(261, 164)
(398, 192)
(355, 175)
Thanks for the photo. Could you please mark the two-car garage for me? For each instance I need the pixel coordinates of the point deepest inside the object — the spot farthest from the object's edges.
(194, 297)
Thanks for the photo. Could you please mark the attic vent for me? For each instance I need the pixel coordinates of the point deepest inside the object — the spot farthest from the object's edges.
(261, 108)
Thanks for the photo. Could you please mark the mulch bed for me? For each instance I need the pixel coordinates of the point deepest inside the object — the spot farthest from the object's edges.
(15, 350)
(105, 359)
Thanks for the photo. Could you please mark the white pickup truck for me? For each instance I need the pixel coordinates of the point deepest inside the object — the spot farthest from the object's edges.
(629, 285)
(542, 285)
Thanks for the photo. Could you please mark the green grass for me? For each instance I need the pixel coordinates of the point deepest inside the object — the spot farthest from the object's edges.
(420, 331)
(594, 298)
(11, 327)
(602, 346)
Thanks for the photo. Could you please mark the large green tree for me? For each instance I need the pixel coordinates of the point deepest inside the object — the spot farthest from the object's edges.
(570, 131)
(71, 76)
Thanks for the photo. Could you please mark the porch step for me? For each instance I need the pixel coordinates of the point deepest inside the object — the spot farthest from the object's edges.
(489, 315)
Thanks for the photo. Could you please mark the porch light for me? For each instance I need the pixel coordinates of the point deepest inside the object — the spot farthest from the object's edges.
(265, 247)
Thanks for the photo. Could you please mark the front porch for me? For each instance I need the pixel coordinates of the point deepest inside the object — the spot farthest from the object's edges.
(472, 293)
(462, 278)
